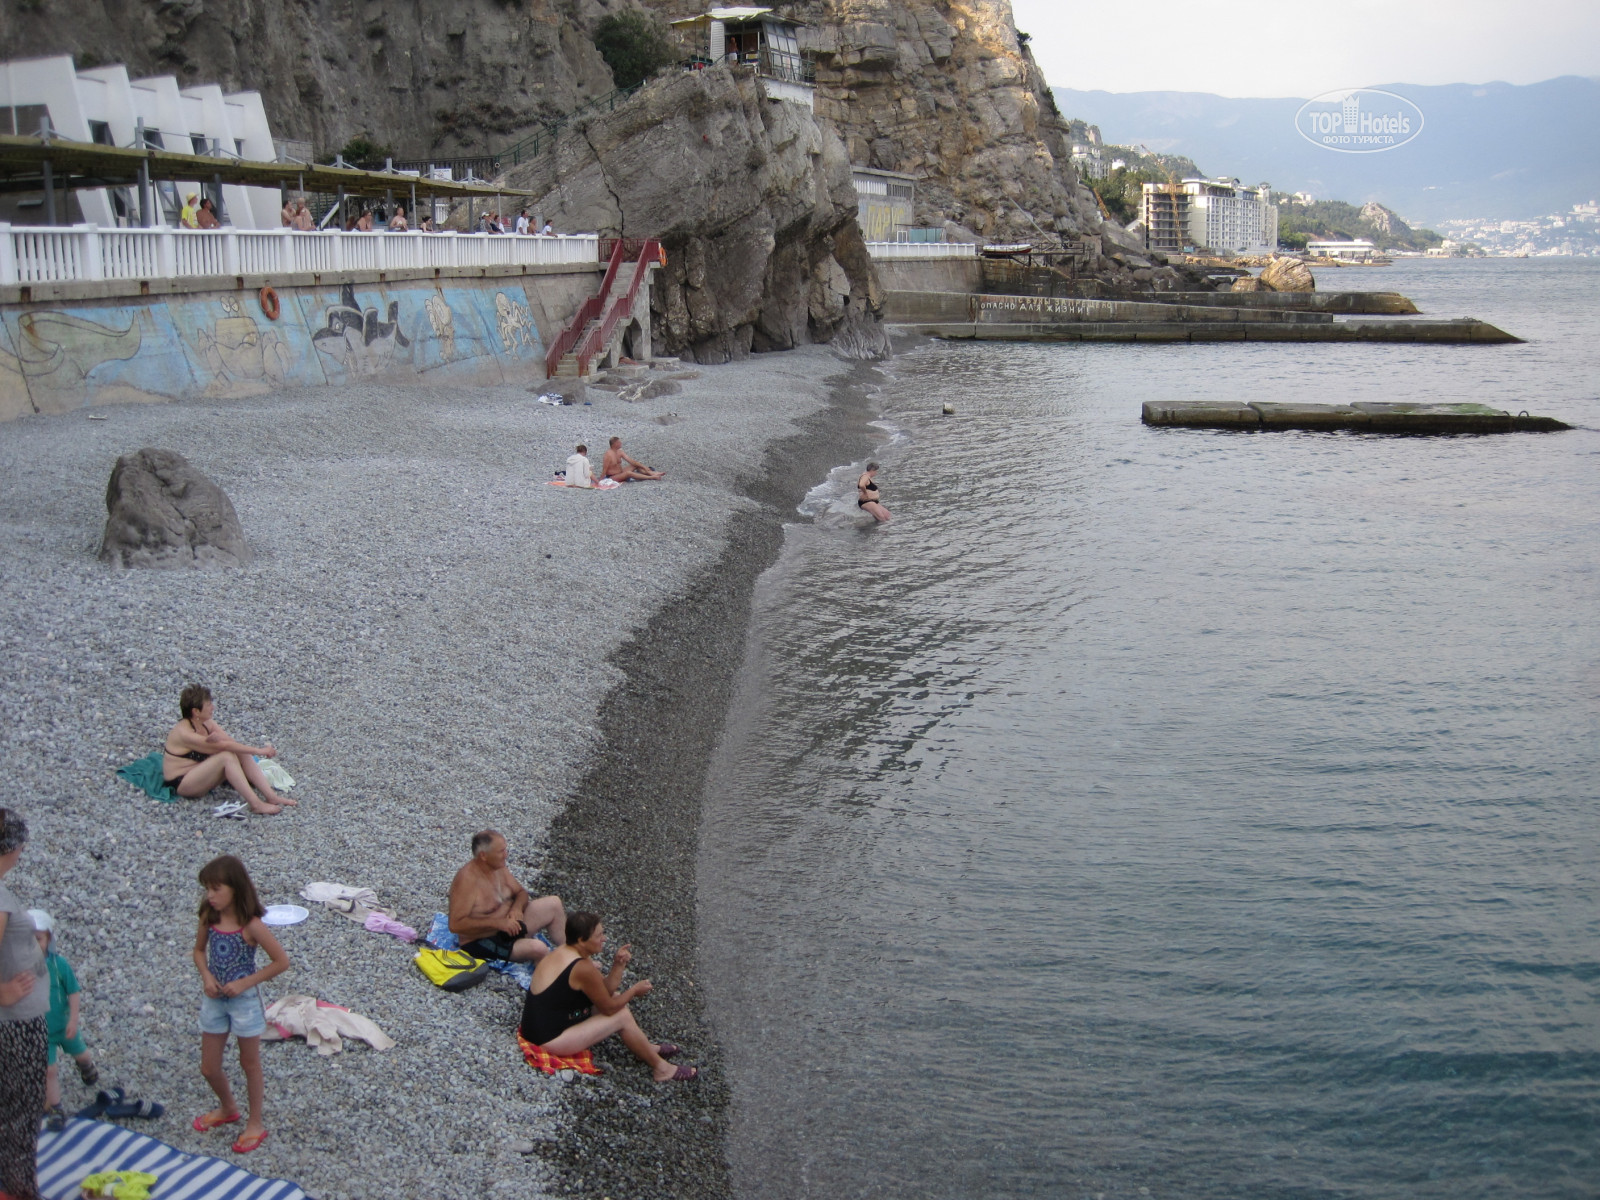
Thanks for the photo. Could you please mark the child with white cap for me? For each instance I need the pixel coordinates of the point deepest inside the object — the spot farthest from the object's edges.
(61, 1026)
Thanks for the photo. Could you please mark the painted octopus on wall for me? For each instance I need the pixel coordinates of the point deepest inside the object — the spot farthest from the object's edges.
(515, 322)
(444, 325)
(356, 338)
(237, 349)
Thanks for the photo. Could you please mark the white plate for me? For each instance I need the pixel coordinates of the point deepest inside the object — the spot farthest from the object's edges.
(284, 914)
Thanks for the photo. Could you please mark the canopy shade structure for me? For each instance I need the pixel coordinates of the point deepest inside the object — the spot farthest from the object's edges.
(30, 164)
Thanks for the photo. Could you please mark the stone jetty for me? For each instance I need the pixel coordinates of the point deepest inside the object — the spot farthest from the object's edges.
(1361, 417)
(1284, 317)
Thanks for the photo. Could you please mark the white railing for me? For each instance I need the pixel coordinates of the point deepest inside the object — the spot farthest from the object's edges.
(922, 249)
(40, 254)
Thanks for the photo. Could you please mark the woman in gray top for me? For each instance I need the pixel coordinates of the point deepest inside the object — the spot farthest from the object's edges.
(24, 1002)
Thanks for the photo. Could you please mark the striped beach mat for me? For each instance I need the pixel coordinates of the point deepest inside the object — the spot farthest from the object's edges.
(85, 1147)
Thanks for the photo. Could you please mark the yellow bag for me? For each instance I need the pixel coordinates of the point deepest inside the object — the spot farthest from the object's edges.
(453, 970)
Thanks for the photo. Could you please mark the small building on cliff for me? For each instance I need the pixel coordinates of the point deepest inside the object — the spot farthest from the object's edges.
(754, 38)
(102, 105)
(886, 203)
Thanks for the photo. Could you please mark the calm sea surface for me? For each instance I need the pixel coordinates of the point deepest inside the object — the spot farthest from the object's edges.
(1173, 812)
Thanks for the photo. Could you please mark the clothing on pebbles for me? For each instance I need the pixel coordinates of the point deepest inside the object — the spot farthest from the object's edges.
(427, 633)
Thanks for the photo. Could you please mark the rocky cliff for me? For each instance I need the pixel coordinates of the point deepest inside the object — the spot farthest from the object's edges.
(752, 199)
(441, 78)
(947, 91)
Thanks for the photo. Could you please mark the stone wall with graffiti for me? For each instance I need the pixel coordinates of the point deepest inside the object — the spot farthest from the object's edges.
(55, 357)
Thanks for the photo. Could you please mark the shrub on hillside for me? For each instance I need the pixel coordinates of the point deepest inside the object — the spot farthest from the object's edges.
(634, 45)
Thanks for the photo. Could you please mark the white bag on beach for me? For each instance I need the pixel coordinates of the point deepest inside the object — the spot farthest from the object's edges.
(280, 779)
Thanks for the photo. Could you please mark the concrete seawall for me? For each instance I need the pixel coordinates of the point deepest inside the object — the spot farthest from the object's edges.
(78, 345)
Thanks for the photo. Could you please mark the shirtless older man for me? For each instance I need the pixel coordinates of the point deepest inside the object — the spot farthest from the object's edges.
(623, 469)
(493, 914)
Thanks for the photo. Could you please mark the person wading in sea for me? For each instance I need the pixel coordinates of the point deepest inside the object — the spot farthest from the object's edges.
(867, 494)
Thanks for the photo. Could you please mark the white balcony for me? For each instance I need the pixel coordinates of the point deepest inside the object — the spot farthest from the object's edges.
(32, 254)
(922, 249)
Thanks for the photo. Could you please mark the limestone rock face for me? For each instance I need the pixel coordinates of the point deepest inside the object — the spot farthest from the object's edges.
(949, 93)
(462, 77)
(162, 512)
(751, 198)
(1287, 275)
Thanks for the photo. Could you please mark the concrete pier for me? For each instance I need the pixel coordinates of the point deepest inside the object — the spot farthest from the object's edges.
(1465, 331)
(1366, 417)
(1344, 303)
(1220, 317)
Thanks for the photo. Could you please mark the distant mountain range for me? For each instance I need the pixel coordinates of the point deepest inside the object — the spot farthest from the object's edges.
(1498, 150)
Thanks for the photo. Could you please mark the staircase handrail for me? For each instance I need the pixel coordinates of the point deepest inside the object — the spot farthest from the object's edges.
(600, 335)
(589, 311)
(530, 145)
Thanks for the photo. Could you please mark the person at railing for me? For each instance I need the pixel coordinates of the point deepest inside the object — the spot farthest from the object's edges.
(206, 218)
(549, 230)
(397, 223)
(188, 216)
(287, 216)
(302, 217)
(522, 222)
(427, 225)
(364, 222)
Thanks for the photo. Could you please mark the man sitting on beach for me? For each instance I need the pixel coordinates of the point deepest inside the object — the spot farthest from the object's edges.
(623, 469)
(493, 914)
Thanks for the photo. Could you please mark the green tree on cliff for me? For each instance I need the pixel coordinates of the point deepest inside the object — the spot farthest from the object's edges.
(634, 45)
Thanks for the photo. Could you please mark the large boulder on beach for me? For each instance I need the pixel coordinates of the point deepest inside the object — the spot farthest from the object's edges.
(162, 512)
(1287, 275)
(1246, 283)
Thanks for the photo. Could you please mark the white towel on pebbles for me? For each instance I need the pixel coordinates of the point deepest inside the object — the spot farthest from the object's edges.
(322, 1025)
(357, 903)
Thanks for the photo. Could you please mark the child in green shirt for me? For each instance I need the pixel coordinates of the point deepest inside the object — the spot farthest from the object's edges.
(61, 1026)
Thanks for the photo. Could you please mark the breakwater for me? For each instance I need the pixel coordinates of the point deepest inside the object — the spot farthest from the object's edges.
(1360, 417)
(982, 317)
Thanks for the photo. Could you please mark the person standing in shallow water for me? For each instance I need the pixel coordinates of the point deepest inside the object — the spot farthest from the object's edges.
(867, 494)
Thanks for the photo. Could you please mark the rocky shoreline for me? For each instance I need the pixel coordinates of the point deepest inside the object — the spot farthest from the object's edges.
(658, 733)
(431, 637)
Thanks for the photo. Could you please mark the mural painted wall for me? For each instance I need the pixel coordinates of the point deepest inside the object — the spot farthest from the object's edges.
(55, 358)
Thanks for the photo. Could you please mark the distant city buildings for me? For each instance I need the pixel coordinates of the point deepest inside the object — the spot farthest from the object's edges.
(1573, 234)
(1218, 216)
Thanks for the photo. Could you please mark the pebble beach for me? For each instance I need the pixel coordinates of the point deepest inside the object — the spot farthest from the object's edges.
(436, 642)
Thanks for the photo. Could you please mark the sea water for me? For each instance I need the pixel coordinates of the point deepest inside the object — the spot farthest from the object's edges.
(1173, 812)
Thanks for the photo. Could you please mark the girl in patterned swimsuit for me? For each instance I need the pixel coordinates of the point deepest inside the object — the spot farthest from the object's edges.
(230, 931)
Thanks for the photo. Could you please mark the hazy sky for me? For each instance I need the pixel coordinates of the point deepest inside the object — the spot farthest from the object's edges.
(1304, 48)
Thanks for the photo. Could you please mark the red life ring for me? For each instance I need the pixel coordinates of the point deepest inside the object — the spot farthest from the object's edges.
(269, 303)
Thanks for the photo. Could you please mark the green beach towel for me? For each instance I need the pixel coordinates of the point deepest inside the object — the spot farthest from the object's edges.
(147, 774)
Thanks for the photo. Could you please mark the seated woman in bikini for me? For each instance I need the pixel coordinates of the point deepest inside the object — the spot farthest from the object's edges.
(200, 755)
(867, 494)
(570, 1006)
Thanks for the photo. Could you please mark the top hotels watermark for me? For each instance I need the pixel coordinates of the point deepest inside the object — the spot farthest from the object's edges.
(1358, 121)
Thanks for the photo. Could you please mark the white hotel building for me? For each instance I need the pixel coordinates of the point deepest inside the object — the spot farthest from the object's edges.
(1216, 215)
(103, 105)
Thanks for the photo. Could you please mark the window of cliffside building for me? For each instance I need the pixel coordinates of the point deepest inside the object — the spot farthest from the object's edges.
(23, 120)
(100, 133)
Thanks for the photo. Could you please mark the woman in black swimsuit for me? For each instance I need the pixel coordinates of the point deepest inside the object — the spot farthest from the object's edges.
(867, 494)
(200, 755)
(570, 1006)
